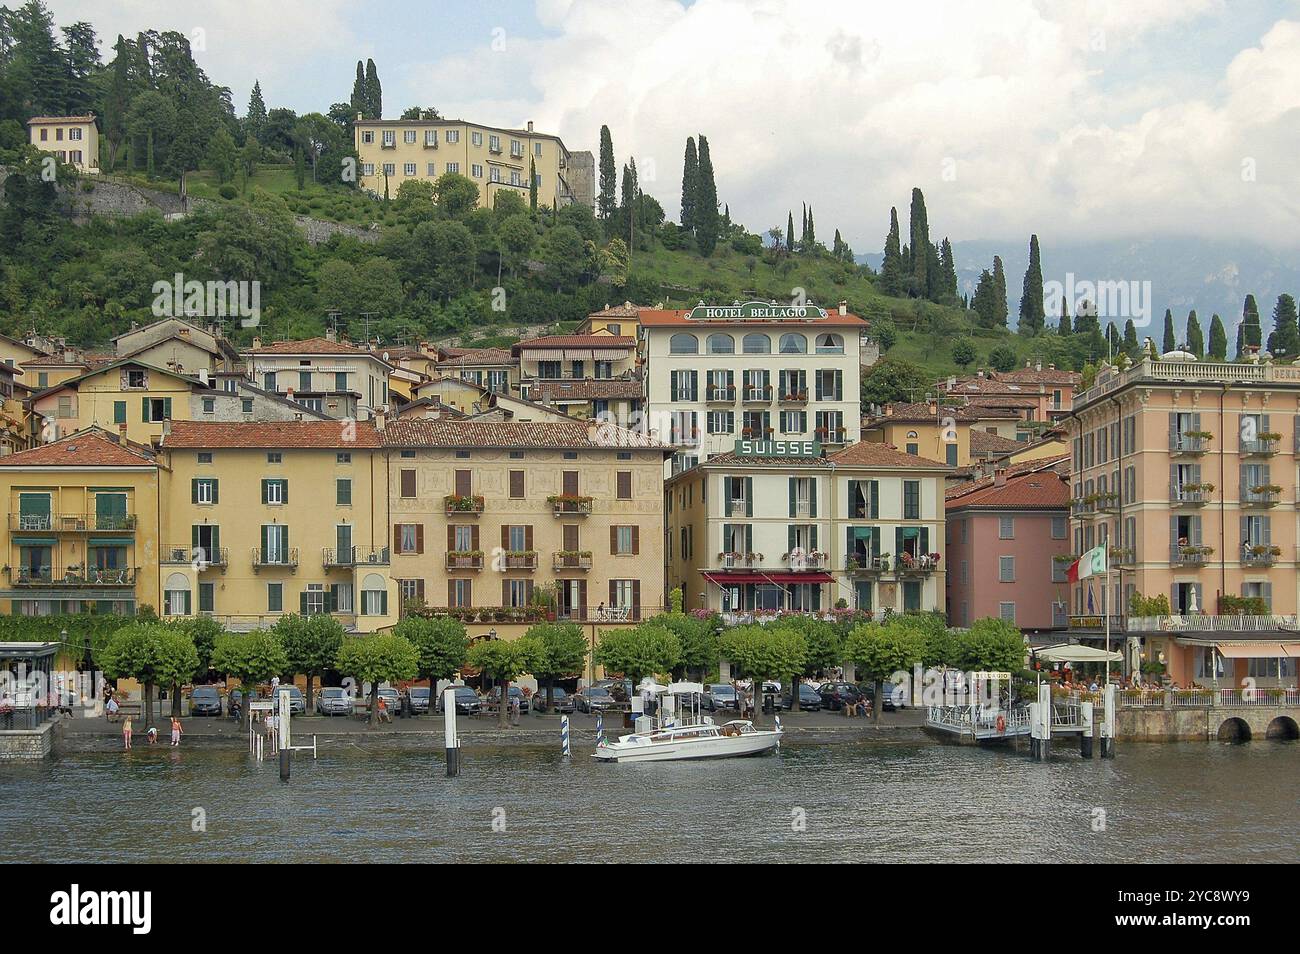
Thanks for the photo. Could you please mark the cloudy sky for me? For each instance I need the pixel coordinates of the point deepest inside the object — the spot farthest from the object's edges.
(1079, 119)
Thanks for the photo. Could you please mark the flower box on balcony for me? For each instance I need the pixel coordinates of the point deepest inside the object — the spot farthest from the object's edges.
(570, 504)
(456, 504)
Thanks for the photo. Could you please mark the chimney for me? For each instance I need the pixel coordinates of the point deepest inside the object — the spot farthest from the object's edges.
(530, 125)
(331, 334)
(360, 117)
(288, 394)
(167, 427)
(257, 342)
(1051, 367)
(979, 373)
(934, 407)
(121, 430)
(889, 410)
(1038, 365)
(999, 477)
(379, 421)
(844, 307)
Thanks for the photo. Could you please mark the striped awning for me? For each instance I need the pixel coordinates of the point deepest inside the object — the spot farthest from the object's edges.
(609, 354)
(1259, 650)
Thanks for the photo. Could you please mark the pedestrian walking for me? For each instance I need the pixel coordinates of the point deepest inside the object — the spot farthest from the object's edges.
(126, 732)
(176, 731)
(110, 708)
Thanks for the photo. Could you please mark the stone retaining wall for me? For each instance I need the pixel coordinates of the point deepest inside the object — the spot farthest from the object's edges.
(26, 745)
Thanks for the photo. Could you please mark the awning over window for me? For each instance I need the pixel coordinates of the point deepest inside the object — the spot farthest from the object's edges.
(1258, 650)
(733, 579)
(34, 541)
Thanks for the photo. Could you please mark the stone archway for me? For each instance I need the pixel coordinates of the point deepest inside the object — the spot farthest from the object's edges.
(1234, 730)
(1283, 728)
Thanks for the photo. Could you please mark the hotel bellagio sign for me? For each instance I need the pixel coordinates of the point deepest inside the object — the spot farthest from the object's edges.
(755, 310)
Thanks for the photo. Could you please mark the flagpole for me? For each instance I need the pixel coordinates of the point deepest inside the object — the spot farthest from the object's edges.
(1105, 607)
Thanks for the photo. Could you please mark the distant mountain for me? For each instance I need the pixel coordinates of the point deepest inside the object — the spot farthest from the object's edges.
(1185, 273)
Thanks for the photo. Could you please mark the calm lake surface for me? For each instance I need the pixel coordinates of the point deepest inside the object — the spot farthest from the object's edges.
(857, 802)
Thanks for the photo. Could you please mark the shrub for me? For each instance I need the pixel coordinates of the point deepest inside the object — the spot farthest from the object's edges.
(228, 191)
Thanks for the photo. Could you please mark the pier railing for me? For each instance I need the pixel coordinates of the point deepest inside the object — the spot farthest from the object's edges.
(1207, 698)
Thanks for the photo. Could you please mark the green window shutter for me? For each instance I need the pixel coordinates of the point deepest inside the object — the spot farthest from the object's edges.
(898, 541)
(265, 482)
(875, 499)
(194, 490)
(167, 408)
(194, 537)
(749, 496)
(215, 485)
(789, 537)
(216, 537)
(144, 409)
(793, 500)
(119, 412)
(839, 385)
(333, 601)
(814, 536)
(284, 491)
(189, 607)
(266, 532)
(925, 539)
(302, 603)
(812, 498)
(383, 602)
(875, 541)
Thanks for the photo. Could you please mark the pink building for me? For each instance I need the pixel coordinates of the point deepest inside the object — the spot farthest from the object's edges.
(1003, 532)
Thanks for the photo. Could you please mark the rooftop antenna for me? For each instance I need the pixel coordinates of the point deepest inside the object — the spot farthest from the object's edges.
(366, 318)
(334, 316)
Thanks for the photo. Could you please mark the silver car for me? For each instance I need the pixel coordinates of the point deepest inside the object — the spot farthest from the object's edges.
(334, 700)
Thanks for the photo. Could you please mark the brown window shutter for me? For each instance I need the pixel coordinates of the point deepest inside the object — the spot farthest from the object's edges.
(582, 599)
(528, 590)
(571, 483)
(505, 537)
(469, 592)
(625, 485)
(636, 599)
(517, 484)
(451, 592)
(505, 592)
(451, 536)
(613, 592)
(408, 483)
(473, 537)
(463, 483)
(419, 538)
(397, 538)
(636, 539)
(419, 589)
(528, 539)
(571, 536)
(613, 540)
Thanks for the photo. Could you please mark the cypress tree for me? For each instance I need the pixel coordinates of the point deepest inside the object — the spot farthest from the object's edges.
(947, 272)
(1170, 343)
(690, 185)
(255, 121)
(837, 247)
(627, 216)
(1195, 337)
(1063, 326)
(360, 101)
(789, 231)
(1113, 338)
(803, 229)
(374, 91)
(1286, 332)
(812, 231)
(892, 281)
(706, 203)
(920, 245)
(1218, 340)
(606, 202)
(1250, 322)
(984, 303)
(1241, 340)
(1031, 298)
(1000, 282)
(532, 186)
(1132, 346)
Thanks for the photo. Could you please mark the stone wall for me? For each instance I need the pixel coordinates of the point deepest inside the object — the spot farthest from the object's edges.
(26, 745)
(1199, 724)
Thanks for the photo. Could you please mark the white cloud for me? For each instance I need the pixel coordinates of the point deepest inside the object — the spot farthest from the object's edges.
(848, 105)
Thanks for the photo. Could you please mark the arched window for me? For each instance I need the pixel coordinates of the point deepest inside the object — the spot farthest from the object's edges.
(830, 344)
(374, 595)
(683, 344)
(794, 344)
(757, 344)
(176, 595)
(721, 344)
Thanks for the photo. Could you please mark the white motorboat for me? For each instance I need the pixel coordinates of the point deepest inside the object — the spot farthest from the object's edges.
(664, 740)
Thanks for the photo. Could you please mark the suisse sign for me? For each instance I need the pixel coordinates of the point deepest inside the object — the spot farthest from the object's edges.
(751, 448)
(754, 309)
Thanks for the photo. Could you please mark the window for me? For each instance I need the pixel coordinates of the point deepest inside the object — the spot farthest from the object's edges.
(137, 379)
(203, 490)
(374, 596)
(1006, 569)
(1006, 528)
(514, 593)
(246, 404)
(793, 344)
(176, 595)
(408, 483)
(453, 135)
(313, 599)
(1007, 611)
(476, 170)
(624, 485)
(460, 592)
(268, 381)
(275, 543)
(275, 457)
(516, 484)
(431, 169)
(410, 537)
(275, 492)
(756, 344)
(721, 344)
(205, 457)
(390, 169)
(830, 344)
(408, 136)
(275, 597)
(343, 491)
(209, 405)
(207, 597)
(343, 457)
(911, 500)
(720, 422)
(623, 540)
(950, 455)
(683, 343)
(156, 410)
(408, 168)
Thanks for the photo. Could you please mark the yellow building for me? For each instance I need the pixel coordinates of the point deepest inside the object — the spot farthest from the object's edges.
(16, 353)
(73, 139)
(393, 151)
(505, 523)
(583, 375)
(130, 396)
(938, 431)
(177, 345)
(618, 320)
(82, 526)
(267, 518)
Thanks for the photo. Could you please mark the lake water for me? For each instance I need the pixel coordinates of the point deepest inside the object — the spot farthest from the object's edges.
(811, 802)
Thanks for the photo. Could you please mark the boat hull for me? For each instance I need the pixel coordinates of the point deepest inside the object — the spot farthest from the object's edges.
(725, 747)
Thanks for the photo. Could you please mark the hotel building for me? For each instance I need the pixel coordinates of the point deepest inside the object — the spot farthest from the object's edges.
(761, 371)
(393, 151)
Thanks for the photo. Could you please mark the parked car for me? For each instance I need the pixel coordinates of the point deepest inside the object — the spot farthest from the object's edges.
(837, 695)
(297, 704)
(595, 699)
(392, 700)
(516, 694)
(894, 696)
(620, 689)
(419, 696)
(205, 701)
(467, 701)
(334, 700)
(561, 701)
(717, 696)
(810, 699)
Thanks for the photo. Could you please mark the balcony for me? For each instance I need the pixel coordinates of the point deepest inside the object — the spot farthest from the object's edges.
(1118, 556)
(74, 576)
(801, 559)
(758, 395)
(832, 435)
(720, 395)
(921, 565)
(1107, 503)
(464, 560)
(735, 560)
(863, 565)
(1190, 495)
(569, 505)
(467, 505)
(354, 556)
(199, 557)
(794, 397)
(72, 522)
(287, 558)
(1260, 555)
(1189, 556)
(388, 144)
(736, 507)
(430, 143)
(1264, 445)
(495, 150)
(1190, 444)
(571, 560)
(1264, 495)
(519, 560)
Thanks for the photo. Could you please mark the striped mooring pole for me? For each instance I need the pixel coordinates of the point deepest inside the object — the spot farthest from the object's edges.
(564, 735)
(600, 728)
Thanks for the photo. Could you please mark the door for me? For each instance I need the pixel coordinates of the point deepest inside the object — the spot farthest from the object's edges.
(343, 544)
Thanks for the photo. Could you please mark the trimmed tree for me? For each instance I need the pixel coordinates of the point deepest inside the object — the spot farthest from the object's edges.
(766, 652)
(152, 653)
(633, 652)
(824, 645)
(555, 651)
(991, 645)
(878, 652)
(442, 646)
(250, 657)
(502, 660)
(385, 657)
(311, 644)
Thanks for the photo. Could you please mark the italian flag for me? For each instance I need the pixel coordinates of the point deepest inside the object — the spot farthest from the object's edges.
(1092, 563)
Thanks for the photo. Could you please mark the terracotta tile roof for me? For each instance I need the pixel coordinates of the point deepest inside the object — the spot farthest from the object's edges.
(625, 310)
(928, 414)
(462, 357)
(982, 442)
(1045, 376)
(560, 435)
(311, 346)
(669, 317)
(50, 361)
(575, 341)
(587, 389)
(1039, 490)
(731, 457)
(88, 118)
(1014, 470)
(872, 454)
(977, 386)
(431, 405)
(92, 447)
(1003, 400)
(272, 434)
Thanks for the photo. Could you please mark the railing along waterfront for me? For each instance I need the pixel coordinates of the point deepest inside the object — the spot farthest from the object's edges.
(1206, 698)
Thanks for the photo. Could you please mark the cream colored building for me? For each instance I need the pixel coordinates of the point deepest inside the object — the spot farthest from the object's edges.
(583, 375)
(393, 151)
(263, 519)
(772, 527)
(505, 523)
(333, 377)
(717, 373)
(73, 139)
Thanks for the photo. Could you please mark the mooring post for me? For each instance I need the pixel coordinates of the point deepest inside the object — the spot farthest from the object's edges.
(1085, 737)
(1108, 722)
(286, 751)
(449, 731)
(1045, 706)
(600, 728)
(564, 735)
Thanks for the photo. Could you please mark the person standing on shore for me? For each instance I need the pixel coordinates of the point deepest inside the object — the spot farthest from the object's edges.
(126, 733)
(176, 731)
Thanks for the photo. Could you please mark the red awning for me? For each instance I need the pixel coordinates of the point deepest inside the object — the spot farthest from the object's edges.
(731, 579)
